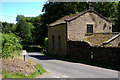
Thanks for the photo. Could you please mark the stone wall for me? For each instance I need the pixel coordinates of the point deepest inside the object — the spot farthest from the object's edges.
(56, 31)
(77, 29)
(82, 50)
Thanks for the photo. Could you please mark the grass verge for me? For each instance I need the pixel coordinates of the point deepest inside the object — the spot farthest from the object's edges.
(40, 70)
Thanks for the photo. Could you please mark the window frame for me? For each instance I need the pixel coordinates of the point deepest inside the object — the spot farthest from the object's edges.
(89, 26)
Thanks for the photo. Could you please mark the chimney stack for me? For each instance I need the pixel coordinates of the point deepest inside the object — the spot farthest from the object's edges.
(90, 5)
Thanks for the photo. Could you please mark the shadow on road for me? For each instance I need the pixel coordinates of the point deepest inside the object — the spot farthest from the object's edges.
(93, 63)
(42, 57)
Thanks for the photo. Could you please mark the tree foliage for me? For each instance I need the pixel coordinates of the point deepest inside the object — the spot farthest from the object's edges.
(57, 10)
(33, 30)
(0, 26)
(7, 27)
(118, 21)
(107, 9)
(10, 45)
(24, 29)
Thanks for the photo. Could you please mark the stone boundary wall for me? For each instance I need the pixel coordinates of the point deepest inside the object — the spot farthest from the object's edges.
(82, 50)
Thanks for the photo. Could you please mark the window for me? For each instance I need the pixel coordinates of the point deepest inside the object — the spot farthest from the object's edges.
(89, 28)
(53, 41)
(59, 42)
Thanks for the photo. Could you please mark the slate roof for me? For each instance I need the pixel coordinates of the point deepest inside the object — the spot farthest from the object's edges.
(98, 39)
(74, 16)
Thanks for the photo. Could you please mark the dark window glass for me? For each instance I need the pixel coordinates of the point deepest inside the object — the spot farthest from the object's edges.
(53, 42)
(59, 42)
(89, 28)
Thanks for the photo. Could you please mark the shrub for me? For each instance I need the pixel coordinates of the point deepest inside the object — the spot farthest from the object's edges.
(46, 43)
(10, 45)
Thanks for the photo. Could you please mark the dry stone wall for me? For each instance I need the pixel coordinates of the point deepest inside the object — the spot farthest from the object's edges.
(82, 50)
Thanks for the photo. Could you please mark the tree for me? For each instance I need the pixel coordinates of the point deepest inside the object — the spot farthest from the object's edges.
(118, 22)
(35, 22)
(10, 45)
(23, 29)
(56, 10)
(0, 27)
(107, 9)
(34, 29)
(116, 26)
(7, 27)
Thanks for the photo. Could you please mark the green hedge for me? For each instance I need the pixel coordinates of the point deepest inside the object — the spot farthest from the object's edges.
(10, 45)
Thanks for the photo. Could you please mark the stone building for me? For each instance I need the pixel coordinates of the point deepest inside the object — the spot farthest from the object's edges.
(88, 26)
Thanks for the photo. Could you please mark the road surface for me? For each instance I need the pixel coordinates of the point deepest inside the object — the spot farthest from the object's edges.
(64, 69)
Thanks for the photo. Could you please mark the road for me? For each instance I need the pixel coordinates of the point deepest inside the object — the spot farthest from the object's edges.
(64, 69)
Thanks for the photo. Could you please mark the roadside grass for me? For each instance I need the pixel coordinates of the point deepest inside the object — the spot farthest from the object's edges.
(40, 70)
(92, 62)
(6, 74)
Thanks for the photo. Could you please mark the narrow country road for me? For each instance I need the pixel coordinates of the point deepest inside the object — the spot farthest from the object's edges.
(64, 69)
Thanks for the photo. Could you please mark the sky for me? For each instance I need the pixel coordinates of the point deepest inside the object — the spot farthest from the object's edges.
(10, 10)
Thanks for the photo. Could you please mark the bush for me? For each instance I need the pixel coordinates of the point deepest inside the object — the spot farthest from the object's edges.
(10, 45)
(46, 43)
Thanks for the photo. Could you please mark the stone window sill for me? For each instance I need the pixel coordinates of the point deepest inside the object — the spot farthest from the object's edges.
(88, 34)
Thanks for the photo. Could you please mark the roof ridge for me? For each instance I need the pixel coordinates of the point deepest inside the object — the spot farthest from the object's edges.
(64, 17)
(90, 11)
(74, 16)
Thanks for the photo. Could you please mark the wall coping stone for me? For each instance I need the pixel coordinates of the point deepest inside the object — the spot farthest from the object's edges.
(113, 38)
